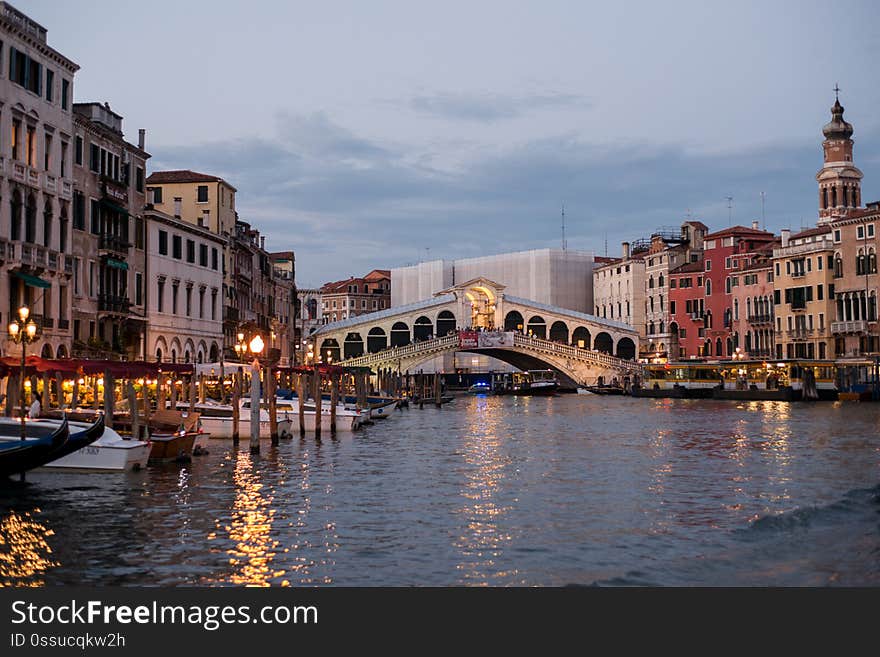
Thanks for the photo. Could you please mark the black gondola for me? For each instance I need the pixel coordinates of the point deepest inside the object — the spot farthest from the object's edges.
(38, 448)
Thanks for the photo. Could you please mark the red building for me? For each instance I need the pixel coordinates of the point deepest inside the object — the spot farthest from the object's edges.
(701, 293)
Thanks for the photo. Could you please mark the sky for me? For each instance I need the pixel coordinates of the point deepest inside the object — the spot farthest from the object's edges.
(379, 134)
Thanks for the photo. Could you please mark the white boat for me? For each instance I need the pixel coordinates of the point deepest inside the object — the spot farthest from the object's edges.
(583, 391)
(109, 453)
(347, 419)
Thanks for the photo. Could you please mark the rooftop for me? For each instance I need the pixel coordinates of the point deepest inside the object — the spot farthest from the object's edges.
(183, 176)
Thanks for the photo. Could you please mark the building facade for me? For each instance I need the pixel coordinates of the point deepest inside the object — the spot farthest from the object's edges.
(619, 289)
(753, 308)
(356, 296)
(803, 295)
(183, 296)
(36, 183)
(109, 262)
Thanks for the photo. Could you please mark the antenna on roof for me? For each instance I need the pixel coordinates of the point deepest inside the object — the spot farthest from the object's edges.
(564, 245)
(729, 210)
(763, 220)
(606, 243)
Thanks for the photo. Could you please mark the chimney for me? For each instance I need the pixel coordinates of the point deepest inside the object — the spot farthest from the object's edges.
(755, 224)
(141, 135)
(177, 202)
(263, 242)
(625, 246)
(786, 233)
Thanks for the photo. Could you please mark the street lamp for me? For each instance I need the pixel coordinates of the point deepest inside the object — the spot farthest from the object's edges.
(242, 349)
(22, 332)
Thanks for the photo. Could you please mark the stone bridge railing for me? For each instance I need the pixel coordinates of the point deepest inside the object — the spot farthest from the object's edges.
(525, 343)
(575, 353)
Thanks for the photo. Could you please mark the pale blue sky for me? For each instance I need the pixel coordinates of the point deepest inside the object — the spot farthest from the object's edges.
(362, 134)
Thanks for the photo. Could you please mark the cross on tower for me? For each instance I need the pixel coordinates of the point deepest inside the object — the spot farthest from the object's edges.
(836, 92)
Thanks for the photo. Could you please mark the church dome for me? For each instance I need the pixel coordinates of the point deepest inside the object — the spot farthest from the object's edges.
(837, 128)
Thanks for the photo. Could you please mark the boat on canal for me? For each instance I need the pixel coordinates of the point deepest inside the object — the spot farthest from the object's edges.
(747, 380)
(530, 382)
(109, 453)
(42, 443)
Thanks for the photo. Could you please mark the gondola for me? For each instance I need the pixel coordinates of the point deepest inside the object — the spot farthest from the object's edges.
(42, 444)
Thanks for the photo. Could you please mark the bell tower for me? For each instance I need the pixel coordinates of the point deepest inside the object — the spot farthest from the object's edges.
(839, 180)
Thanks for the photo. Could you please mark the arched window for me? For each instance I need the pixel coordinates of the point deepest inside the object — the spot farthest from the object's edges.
(749, 307)
(651, 282)
(661, 326)
(660, 281)
(736, 310)
(860, 263)
(834, 197)
(651, 328)
(872, 262)
(708, 288)
(838, 266)
(824, 198)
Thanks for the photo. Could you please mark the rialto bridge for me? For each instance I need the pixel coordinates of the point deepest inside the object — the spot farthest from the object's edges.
(527, 334)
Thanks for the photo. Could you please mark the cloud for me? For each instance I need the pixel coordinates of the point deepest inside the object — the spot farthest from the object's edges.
(347, 205)
(487, 107)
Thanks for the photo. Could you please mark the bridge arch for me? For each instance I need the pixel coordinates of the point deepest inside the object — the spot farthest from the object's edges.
(581, 335)
(376, 340)
(446, 323)
(626, 349)
(422, 328)
(399, 335)
(559, 332)
(604, 343)
(513, 321)
(329, 347)
(537, 327)
(353, 345)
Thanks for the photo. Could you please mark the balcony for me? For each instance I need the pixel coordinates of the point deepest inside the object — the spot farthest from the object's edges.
(51, 183)
(111, 303)
(115, 243)
(760, 319)
(800, 334)
(19, 171)
(66, 189)
(68, 265)
(54, 261)
(860, 326)
(33, 177)
(798, 274)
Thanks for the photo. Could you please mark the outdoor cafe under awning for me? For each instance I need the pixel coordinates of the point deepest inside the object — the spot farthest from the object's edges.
(33, 281)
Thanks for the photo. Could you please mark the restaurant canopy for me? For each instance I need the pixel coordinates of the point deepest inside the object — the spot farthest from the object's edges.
(73, 366)
(33, 281)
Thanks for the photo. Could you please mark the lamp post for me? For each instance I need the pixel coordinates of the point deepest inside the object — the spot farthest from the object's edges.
(255, 348)
(22, 332)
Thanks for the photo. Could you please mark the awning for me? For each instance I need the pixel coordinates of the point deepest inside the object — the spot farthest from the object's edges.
(113, 206)
(119, 264)
(33, 281)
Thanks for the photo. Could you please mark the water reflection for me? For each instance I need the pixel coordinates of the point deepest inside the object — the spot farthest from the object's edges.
(250, 527)
(24, 550)
(482, 539)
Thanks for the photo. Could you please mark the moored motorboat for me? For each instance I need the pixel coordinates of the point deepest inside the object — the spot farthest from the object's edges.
(109, 453)
(532, 382)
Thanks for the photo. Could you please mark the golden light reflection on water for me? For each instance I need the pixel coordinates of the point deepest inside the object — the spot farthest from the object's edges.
(25, 554)
(250, 528)
(482, 539)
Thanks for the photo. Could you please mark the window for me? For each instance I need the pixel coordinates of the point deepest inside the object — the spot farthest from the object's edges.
(160, 296)
(202, 194)
(837, 235)
(189, 300)
(214, 304)
(708, 265)
(94, 158)
(25, 71)
(16, 139)
(78, 151)
(50, 84)
(708, 288)
(65, 93)
(91, 280)
(870, 230)
(79, 211)
(214, 258)
(96, 217)
(77, 264)
(157, 195)
(47, 152)
(138, 289)
(31, 146)
(203, 255)
(163, 242)
(190, 251)
(672, 283)
(139, 179)
(175, 288)
(177, 247)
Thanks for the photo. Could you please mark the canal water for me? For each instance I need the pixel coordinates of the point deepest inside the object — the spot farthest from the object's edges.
(570, 490)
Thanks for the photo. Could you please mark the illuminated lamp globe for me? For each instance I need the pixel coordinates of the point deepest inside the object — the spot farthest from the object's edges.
(257, 345)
